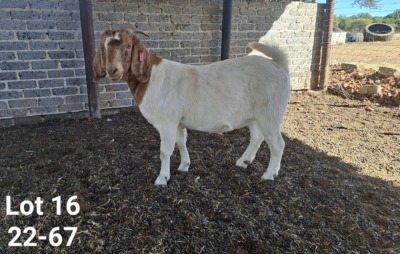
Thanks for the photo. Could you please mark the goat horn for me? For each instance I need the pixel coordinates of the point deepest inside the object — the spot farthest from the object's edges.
(140, 32)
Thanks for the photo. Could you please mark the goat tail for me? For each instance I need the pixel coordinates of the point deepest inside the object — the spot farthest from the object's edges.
(271, 51)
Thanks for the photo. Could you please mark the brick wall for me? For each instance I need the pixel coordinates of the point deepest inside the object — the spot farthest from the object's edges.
(41, 59)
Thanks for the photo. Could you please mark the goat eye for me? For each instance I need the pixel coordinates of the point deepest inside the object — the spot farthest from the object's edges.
(129, 47)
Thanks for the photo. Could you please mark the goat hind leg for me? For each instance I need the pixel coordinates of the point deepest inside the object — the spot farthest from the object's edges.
(181, 144)
(270, 125)
(256, 138)
(168, 138)
(276, 145)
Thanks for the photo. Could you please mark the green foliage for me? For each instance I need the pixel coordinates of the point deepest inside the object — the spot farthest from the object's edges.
(395, 15)
(396, 18)
(372, 4)
(357, 23)
(360, 23)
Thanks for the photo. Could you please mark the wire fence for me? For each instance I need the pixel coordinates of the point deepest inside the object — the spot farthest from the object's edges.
(368, 54)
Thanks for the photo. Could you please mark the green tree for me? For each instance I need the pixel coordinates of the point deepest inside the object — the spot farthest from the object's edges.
(338, 20)
(396, 16)
(346, 24)
(378, 20)
(364, 16)
(357, 25)
(372, 4)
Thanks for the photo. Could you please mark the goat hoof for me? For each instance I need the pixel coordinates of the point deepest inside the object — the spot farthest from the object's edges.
(161, 181)
(239, 167)
(183, 168)
(270, 177)
(242, 164)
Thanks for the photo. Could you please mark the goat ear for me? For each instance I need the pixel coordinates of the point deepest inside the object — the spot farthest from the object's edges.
(99, 63)
(140, 63)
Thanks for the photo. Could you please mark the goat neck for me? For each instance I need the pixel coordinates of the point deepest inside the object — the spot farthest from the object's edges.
(138, 86)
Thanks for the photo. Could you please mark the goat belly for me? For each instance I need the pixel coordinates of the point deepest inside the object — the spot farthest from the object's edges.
(218, 127)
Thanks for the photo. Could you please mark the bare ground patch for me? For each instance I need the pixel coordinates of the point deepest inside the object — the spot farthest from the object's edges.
(338, 190)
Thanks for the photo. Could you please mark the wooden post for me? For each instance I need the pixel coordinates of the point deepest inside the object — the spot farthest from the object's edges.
(326, 44)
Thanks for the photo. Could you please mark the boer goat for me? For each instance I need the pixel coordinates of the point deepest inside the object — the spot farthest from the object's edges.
(250, 91)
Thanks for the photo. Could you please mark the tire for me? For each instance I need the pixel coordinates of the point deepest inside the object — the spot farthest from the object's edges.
(378, 32)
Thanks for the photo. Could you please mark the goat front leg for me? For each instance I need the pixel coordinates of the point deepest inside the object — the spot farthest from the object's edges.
(181, 144)
(168, 138)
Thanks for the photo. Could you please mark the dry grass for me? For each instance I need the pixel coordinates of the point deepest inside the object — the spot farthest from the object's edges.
(369, 54)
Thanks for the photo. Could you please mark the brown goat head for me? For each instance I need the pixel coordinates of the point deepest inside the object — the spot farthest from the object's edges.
(121, 56)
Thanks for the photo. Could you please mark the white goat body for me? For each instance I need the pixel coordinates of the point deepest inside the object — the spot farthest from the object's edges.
(250, 91)
(216, 98)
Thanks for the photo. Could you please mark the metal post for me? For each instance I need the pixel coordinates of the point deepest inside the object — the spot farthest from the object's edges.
(326, 44)
(226, 29)
(85, 7)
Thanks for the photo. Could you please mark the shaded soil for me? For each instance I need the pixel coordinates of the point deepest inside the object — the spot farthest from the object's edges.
(338, 190)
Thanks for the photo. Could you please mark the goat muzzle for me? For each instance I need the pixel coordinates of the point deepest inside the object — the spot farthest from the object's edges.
(115, 73)
(116, 77)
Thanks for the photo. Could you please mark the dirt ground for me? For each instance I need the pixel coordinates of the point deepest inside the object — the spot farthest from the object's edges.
(338, 190)
(369, 54)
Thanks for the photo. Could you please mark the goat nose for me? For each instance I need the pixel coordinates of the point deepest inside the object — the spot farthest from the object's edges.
(112, 70)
